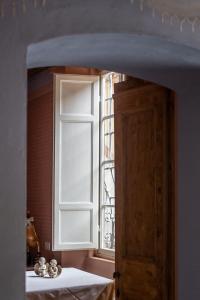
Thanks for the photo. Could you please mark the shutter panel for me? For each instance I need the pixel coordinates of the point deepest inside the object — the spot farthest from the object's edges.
(76, 162)
(144, 205)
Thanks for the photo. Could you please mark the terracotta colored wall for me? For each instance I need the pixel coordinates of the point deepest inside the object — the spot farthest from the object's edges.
(39, 176)
(39, 167)
(74, 259)
(86, 261)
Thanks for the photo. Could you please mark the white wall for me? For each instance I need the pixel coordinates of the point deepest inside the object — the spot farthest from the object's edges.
(142, 47)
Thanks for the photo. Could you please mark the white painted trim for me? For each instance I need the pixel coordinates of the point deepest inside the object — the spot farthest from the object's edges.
(90, 206)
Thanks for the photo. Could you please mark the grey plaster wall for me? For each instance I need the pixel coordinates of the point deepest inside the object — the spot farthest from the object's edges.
(113, 35)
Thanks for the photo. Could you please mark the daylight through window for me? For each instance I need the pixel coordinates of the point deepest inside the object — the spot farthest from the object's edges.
(107, 197)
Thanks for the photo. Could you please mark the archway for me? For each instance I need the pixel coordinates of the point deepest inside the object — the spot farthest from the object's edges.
(144, 55)
(148, 57)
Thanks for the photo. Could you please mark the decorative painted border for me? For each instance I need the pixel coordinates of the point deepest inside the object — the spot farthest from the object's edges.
(167, 16)
(13, 7)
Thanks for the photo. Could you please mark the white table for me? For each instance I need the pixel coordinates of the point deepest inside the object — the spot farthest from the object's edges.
(71, 284)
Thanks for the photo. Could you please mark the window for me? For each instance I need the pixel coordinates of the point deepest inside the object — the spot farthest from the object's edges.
(107, 163)
(82, 160)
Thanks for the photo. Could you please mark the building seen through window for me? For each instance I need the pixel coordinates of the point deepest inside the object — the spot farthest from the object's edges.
(107, 195)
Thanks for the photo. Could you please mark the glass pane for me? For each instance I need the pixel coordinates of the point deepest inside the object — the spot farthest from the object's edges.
(108, 108)
(108, 184)
(108, 86)
(116, 78)
(110, 80)
(108, 125)
(109, 228)
(108, 140)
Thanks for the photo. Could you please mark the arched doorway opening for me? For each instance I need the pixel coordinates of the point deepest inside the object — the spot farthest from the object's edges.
(94, 56)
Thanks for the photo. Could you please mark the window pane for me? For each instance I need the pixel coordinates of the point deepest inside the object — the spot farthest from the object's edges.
(109, 184)
(108, 142)
(108, 203)
(108, 107)
(108, 86)
(115, 79)
(108, 125)
(108, 228)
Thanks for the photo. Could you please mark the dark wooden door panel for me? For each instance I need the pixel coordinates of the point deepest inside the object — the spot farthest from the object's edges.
(139, 138)
(142, 184)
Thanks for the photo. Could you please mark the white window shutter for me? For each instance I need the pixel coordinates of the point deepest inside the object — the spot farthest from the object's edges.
(76, 162)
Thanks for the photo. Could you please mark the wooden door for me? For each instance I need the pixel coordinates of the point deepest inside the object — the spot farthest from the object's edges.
(144, 192)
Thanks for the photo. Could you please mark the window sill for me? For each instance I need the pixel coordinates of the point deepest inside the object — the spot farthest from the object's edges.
(100, 259)
(100, 266)
(104, 255)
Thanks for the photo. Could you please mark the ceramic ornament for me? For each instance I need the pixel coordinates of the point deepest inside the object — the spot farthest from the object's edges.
(41, 268)
(54, 269)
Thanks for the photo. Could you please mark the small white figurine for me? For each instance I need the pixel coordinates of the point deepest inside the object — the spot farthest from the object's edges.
(41, 268)
(54, 270)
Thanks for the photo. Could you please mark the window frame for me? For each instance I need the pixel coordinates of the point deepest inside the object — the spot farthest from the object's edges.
(99, 251)
(103, 252)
